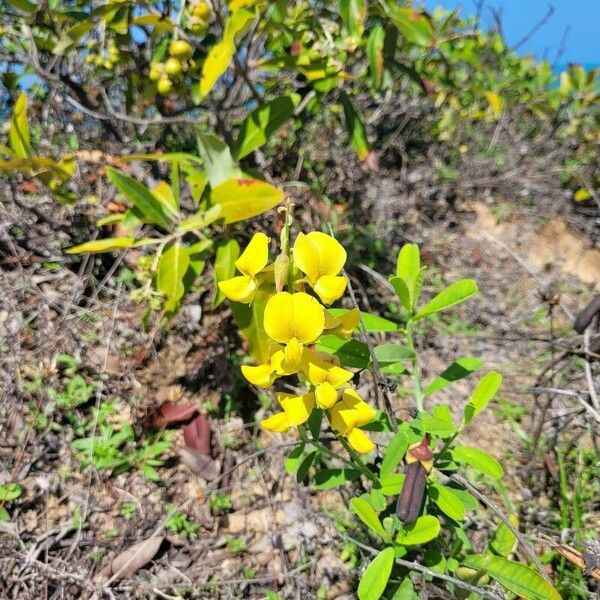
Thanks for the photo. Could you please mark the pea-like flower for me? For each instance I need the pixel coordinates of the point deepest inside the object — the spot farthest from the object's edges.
(348, 415)
(296, 410)
(251, 262)
(326, 378)
(321, 258)
(344, 325)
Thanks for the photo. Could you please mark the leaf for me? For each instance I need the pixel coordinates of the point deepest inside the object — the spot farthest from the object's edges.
(18, 134)
(462, 367)
(237, 24)
(372, 323)
(71, 36)
(215, 64)
(375, 578)
(402, 291)
(455, 293)
(24, 5)
(515, 577)
(292, 462)
(242, 199)
(391, 484)
(408, 269)
(10, 491)
(367, 515)
(405, 591)
(326, 479)
(217, 160)
(355, 128)
(105, 245)
(141, 197)
(352, 353)
(160, 23)
(478, 459)
(172, 267)
(392, 353)
(263, 122)
(197, 434)
(437, 425)
(447, 501)
(412, 23)
(198, 463)
(394, 453)
(423, 530)
(305, 466)
(250, 321)
(226, 253)
(375, 45)
(504, 541)
(129, 561)
(484, 391)
(353, 13)
(200, 220)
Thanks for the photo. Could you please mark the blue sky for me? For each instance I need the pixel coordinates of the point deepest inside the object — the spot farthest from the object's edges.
(519, 16)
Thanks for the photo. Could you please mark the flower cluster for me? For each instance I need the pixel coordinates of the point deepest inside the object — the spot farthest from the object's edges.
(293, 321)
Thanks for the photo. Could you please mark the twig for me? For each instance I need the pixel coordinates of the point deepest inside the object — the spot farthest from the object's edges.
(535, 28)
(588, 371)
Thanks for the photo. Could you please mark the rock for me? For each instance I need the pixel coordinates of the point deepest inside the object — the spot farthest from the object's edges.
(235, 522)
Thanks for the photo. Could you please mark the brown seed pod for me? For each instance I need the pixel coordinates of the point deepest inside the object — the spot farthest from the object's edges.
(584, 318)
(411, 496)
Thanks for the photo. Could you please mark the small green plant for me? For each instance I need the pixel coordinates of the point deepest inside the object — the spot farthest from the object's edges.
(220, 502)
(128, 509)
(237, 545)
(8, 493)
(179, 523)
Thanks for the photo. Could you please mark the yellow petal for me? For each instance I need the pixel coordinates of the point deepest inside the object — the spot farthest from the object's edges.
(239, 289)
(343, 417)
(297, 408)
(317, 254)
(337, 376)
(326, 395)
(255, 257)
(277, 422)
(343, 325)
(360, 441)
(329, 288)
(364, 413)
(261, 376)
(293, 354)
(280, 364)
(290, 316)
(319, 371)
(316, 374)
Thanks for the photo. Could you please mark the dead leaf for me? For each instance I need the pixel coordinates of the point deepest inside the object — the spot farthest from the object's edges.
(576, 558)
(129, 561)
(196, 435)
(198, 463)
(169, 413)
(371, 163)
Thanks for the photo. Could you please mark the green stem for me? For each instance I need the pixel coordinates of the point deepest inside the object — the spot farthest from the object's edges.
(416, 370)
(357, 461)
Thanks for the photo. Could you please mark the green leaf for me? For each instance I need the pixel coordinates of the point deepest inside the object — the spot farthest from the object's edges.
(405, 591)
(455, 293)
(71, 36)
(484, 391)
(105, 245)
(469, 501)
(375, 578)
(402, 291)
(519, 579)
(216, 157)
(392, 353)
(478, 459)
(326, 479)
(504, 541)
(24, 5)
(408, 269)
(367, 515)
(305, 465)
(353, 13)
(201, 219)
(412, 23)
(355, 128)
(459, 369)
(391, 484)
(314, 423)
(263, 122)
(242, 199)
(352, 353)
(215, 64)
(141, 197)
(226, 253)
(172, 267)
(438, 425)
(10, 491)
(375, 45)
(423, 530)
(18, 134)
(447, 501)
(394, 453)
(373, 323)
(294, 458)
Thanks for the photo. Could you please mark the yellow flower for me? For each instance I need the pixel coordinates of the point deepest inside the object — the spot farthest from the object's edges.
(344, 325)
(251, 262)
(296, 410)
(350, 413)
(321, 258)
(293, 320)
(264, 375)
(326, 378)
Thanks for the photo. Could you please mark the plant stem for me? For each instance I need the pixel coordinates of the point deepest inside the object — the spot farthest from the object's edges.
(357, 461)
(416, 370)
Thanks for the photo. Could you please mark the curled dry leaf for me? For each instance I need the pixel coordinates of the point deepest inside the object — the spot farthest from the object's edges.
(200, 464)
(129, 561)
(169, 413)
(584, 561)
(584, 318)
(196, 435)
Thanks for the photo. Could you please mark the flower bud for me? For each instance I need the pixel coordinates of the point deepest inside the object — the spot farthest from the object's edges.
(281, 269)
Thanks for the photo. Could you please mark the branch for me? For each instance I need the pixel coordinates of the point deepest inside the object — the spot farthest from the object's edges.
(535, 28)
